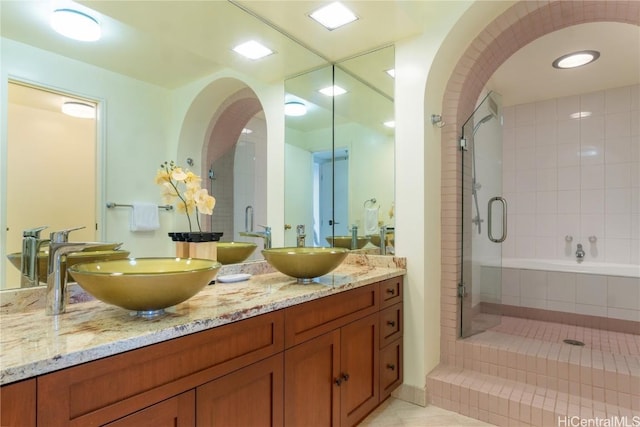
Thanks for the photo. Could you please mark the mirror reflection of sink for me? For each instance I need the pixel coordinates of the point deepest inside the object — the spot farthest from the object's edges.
(98, 253)
(145, 285)
(305, 264)
(234, 252)
(345, 241)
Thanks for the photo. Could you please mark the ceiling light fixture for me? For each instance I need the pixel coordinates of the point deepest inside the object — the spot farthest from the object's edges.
(576, 59)
(333, 15)
(75, 25)
(295, 109)
(334, 90)
(246, 131)
(252, 50)
(79, 109)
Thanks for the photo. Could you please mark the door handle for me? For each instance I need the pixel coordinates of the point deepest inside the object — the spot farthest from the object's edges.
(490, 220)
(332, 222)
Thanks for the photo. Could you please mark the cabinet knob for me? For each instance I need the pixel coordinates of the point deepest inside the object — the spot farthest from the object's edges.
(338, 381)
(342, 378)
(391, 323)
(391, 291)
(391, 366)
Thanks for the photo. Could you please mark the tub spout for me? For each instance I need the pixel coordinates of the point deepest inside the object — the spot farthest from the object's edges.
(580, 253)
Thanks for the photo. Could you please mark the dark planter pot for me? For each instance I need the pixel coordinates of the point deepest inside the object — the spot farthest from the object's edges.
(196, 236)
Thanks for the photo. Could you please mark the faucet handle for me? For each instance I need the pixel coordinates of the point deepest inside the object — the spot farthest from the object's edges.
(266, 227)
(300, 229)
(62, 236)
(34, 232)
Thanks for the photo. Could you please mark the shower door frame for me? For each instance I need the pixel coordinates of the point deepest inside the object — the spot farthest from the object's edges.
(481, 255)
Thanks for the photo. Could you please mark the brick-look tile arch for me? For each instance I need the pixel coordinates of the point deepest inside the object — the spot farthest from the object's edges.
(519, 25)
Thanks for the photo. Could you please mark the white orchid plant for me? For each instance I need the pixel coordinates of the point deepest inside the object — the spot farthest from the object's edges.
(191, 198)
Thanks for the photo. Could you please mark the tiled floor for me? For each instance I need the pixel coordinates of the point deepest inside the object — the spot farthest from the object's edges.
(395, 412)
(596, 339)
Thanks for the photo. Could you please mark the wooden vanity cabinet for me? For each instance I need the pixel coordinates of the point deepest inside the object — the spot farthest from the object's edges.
(327, 362)
(333, 366)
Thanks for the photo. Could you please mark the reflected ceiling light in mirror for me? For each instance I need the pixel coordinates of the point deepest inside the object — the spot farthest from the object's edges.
(252, 50)
(333, 16)
(79, 109)
(576, 59)
(75, 25)
(295, 109)
(391, 72)
(246, 131)
(334, 90)
(580, 114)
(390, 124)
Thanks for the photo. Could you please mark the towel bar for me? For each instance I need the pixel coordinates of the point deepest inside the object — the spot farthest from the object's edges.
(120, 205)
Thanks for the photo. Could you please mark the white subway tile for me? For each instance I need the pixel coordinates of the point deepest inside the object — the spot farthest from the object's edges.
(592, 127)
(546, 111)
(508, 117)
(617, 175)
(568, 152)
(524, 248)
(591, 177)
(546, 202)
(547, 179)
(566, 106)
(617, 226)
(618, 201)
(546, 225)
(525, 114)
(618, 99)
(533, 284)
(526, 202)
(618, 125)
(623, 292)
(569, 202)
(592, 152)
(592, 201)
(525, 136)
(526, 157)
(561, 286)
(617, 150)
(591, 289)
(617, 251)
(545, 247)
(566, 307)
(591, 225)
(546, 134)
(593, 101)
(569, 178)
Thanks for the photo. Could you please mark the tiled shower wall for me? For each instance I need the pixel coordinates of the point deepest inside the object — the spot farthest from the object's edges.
(577, 177)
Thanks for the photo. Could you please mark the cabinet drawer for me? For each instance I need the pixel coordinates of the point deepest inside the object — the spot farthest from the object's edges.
(390, 368)
(314, 318)
(390, 292)
(390, 324)
(106, 389)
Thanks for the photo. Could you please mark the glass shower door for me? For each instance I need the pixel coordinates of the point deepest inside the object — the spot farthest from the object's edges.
(484, 216)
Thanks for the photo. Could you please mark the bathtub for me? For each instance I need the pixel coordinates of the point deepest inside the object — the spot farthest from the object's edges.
(585, 293)
(570, 266)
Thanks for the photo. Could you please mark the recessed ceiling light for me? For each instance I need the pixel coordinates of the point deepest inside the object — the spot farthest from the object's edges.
(79, 109)
(390, 124)
(75, 25)
(253, 50)
(576, 59)
(334, 90)
(580, 114)
(333, 15)
(295, 108)
(391, 72)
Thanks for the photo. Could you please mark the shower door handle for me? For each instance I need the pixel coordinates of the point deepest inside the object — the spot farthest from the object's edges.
(504, 219)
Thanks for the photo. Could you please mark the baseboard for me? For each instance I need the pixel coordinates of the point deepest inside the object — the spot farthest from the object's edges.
(411, 394)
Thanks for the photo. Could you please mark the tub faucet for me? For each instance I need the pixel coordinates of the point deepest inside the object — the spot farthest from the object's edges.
(580, 253)
(300, 236)
(266, 235)
(31, 243)
(59, 247)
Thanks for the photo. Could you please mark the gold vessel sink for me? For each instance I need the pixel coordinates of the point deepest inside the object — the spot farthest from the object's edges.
(305, 263)
(91, 254)
(145, 285)
(345, 241)
(234, 252)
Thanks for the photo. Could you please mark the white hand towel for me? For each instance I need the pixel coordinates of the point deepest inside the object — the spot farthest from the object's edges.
(371, 221)
(144, 217)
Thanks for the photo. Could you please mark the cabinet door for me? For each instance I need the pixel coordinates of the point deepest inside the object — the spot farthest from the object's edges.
(390, 368)
(251, 396)
(311, 393)
(178, 411)
(18, 404)
(359, 367)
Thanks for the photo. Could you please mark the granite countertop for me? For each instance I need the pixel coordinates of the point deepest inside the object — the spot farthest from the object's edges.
(32, 343)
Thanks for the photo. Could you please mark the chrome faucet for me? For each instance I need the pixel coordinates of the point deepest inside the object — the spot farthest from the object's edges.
(384, 230)
(59, 247)
(580, 253)
(300, 236)
(266, 235)
(29, 270)
(354, 237)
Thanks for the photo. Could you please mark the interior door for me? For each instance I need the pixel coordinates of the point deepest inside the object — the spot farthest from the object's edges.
(333, 199)
(484, 216)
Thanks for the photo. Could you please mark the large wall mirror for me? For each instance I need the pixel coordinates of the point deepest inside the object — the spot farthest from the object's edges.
(339, 155)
